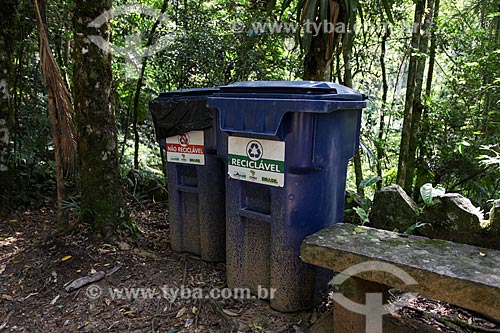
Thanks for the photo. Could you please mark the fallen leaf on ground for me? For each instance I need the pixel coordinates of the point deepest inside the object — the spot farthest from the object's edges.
(65, 258)
(103, 251)
(145, 254)
(123, 246)
(258, 327)
(55, 300)
(181, 312)
(83, 281)
(31, 294)
(7, 297)
(230, 313)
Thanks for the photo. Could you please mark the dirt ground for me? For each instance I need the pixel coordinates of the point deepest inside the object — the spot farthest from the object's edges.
(35, 268)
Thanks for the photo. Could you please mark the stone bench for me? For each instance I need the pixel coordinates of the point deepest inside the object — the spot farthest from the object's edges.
(459, 274)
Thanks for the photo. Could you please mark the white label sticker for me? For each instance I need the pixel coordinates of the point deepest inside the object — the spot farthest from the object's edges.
(186, 148)
(256, 160)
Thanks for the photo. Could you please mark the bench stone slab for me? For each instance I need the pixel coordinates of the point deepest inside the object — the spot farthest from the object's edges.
(460, 274)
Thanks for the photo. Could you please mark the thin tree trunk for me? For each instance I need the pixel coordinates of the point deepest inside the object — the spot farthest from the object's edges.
(385, 90)
(316, 67)
(138, 87)
(422, 147)
(127, 124)
(18, 97)
(338, 74)
(347, 46)
(318, 59)
(60, 111)
(102, 202)
(8, 32)
(62, 219)
(417, 100)
(163, 163)
(358, 172)
(432, 53)
(490, 98)
(410, 94)
(347, 53)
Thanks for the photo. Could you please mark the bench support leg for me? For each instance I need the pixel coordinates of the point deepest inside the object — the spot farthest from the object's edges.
(355, 289)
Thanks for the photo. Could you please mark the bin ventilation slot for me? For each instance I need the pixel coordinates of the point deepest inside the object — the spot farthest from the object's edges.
(187, 175)
(188, 189)
(250, 214)
(256, 198)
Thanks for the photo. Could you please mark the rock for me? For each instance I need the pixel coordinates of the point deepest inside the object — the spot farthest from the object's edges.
(393, 209)
(494, 222)
(491, 230)
(352, 199)
(452, 217)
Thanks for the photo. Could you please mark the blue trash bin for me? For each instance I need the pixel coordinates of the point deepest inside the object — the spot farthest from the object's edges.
(287, 152)
(196, 176)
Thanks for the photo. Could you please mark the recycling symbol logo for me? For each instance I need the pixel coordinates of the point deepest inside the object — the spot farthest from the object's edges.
(184, 139)
(254, 150)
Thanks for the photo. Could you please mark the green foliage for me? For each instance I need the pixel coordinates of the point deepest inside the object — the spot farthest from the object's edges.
(363, 215)
(411, 229)
(492, 156)
(459, 135)
(361, 205)
(130, 225)
(463, 108)
(428, 193)
(367, 182)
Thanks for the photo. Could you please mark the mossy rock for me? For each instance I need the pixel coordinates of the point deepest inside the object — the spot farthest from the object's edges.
(452, 217)
(393, 209)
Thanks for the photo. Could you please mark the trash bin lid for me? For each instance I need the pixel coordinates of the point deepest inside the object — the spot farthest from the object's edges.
(258, 107)
(318, 90)
(180, 111)
(190, 93)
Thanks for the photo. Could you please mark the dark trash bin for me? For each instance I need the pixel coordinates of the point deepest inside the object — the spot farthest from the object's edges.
(188, 130)
(287, 152)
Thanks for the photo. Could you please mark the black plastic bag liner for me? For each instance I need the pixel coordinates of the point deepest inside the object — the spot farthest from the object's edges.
(181, 111)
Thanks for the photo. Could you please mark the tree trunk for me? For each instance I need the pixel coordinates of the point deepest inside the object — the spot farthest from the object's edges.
(490, 98)
(417, 100)
(385, 90)
(102, 202)
(347, 46)
(432, 51)
(316, 67)
(424, 124)
(8, 33)
(139, 87)
(404, 150)
(61, 114)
